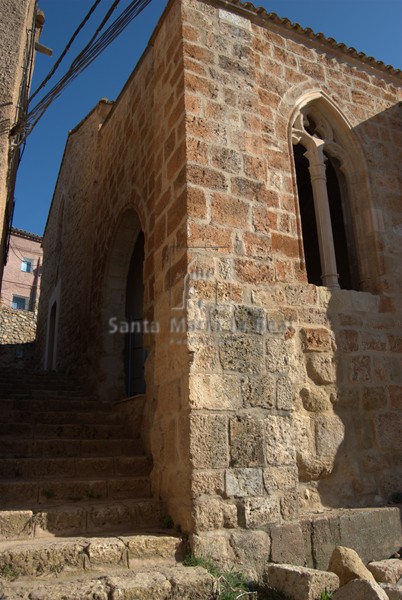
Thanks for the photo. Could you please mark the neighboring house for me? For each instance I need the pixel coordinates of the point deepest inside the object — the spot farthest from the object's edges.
(224, 244)
(21, 24)
(22, 274)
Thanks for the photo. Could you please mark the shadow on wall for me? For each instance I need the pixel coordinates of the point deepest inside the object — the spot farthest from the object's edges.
(354, 385)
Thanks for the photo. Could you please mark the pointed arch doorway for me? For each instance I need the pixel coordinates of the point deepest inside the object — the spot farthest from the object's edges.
(123, 354)
(134, 352)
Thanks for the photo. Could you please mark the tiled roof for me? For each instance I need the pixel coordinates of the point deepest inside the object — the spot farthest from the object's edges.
(263, 14)
(26, 234)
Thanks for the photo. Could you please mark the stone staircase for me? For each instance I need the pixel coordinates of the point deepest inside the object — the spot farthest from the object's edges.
(72, 469)
(69, 464)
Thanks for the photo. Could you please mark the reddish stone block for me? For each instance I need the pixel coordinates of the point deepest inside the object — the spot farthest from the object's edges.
(388, 430)
(229, 211)
(316, 339)
(198, 53)
(264, 220)
(254, 272)
(196, 202)
(348, 340)
(395, 343)
(197, 151)
(218, 239)
(208, 178)
(395, 397)
(285, 244)
(193, 104)
(257, 246)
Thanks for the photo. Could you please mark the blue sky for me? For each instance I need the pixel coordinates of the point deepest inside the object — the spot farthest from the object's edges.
(370, 26)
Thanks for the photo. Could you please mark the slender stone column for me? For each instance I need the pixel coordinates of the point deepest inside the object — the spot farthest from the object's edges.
(316, 158)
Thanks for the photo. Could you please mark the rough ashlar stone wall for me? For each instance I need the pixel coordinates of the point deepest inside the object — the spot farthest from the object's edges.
(294, 391)
(273, 397)
(128, 167)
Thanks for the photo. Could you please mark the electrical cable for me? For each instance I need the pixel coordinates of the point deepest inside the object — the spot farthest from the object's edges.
(66, 49)
(21, 258)
(91, 51)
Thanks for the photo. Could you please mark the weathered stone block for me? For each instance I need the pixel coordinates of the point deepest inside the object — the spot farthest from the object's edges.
(241, 483)
(324, 537)
(316, 339)
(386, 571)
(251, 548)
(277, 355)
(284, 394)
(329, 435)
(258, 391)
(213, 545)
(106, 552)
(394, 592)
(214, 513)
(208, 482)
(209, 443)
(360, 589)
(280, 478)
(301, 582)
(315, 399)
(287, 545)
(249, 319)
(321, 368)
(373, 533)
(360, 369)
(259, 512)
(16, 524)
(278, 441)
(347, 564)
(242, 354)
(246, 442)
(215, 392)
(389, 430)
(289, 504)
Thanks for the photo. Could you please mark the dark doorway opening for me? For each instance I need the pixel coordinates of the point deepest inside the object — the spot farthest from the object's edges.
(134, 351)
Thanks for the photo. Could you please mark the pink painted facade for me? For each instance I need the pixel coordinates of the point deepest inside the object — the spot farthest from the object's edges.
(22, 273)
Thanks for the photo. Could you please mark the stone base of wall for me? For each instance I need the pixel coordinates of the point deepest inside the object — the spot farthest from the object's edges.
(375, 534)
(17, 338)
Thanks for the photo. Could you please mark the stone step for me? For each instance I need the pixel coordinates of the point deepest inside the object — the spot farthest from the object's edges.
(19, 469)
(25, 494)
(41, 557)
(157, 580)
(81, 518)
(73, 431)
(51, 405)
(21, 448)
(58, 417)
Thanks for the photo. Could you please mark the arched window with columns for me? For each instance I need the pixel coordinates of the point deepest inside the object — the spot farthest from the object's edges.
(330, 177)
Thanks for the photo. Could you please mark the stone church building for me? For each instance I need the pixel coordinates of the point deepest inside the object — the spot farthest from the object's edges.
(223, 253)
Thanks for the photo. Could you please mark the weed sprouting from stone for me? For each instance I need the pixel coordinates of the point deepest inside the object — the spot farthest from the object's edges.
(326, 595)
(229, 585)
(8, 572)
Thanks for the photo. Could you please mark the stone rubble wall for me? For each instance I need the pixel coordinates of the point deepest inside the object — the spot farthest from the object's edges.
(17, 326)
(17, 337)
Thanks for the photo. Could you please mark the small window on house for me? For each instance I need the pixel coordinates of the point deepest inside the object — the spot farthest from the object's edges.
(19, 302)
(27, 265)
(327, 229)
